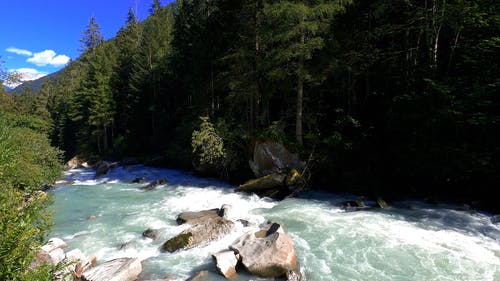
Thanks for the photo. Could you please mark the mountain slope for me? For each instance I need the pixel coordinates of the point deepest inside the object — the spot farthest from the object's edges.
(35, 85)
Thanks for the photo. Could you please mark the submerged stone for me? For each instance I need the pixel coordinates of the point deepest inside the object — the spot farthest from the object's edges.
(151, 233)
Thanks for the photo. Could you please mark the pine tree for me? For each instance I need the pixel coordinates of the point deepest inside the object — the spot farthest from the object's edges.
(127, 42)
(92, 36)
(149, 67)
(92, 104)
(295, 31)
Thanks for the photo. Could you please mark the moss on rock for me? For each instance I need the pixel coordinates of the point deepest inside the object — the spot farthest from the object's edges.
(180, 241)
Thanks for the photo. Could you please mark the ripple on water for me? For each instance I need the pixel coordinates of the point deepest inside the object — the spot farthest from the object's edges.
(409, 241)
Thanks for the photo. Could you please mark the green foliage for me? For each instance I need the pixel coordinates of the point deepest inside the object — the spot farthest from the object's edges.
(27, 164)
(27, 160)
(23, 224)
(208, 146)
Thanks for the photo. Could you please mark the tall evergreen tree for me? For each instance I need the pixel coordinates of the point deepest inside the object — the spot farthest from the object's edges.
(127, 42)
(92, 102)
(92, 36)
(296, 30)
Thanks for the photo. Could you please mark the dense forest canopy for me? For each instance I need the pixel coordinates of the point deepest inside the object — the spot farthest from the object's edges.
(384, 97)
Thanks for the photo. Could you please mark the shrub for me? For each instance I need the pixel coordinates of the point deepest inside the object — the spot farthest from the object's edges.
(27, 163)
(208, 148)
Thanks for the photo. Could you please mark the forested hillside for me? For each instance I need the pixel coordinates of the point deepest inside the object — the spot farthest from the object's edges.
(383, 97)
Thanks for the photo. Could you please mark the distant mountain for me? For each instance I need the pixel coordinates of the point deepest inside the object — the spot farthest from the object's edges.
(7, 88)
(34, 85)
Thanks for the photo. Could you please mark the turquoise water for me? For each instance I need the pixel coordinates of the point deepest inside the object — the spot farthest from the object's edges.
(408, 241)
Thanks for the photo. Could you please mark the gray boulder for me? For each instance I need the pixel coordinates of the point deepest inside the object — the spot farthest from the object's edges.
(267, 253)
(103, 167)
(73, 163)
(54, 243)
(226, 262)
(123, 269)
(199, 234)
(264, 183)
(271, 156)
(276, 185)
(199, 216)
(57, 255)
(78, 262)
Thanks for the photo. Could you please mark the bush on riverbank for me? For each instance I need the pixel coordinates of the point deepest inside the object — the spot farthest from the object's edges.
(27, 164)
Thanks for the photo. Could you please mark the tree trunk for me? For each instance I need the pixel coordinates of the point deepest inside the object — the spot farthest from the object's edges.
(257, 118)
(105, 139)
(300, 96)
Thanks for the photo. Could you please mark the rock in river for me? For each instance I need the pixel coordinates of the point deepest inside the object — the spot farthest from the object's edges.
(123, 269)
(267, 253)
(154, 184)
(199, 234)
(151, 233)
(196, 217)
(226, 262)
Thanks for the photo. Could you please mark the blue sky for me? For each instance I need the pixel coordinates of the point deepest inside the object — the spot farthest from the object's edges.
(38, 37)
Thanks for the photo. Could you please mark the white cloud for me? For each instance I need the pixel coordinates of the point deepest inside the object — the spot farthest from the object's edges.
(60, 60)
(23, 75)
(19, 51)
(48, 57)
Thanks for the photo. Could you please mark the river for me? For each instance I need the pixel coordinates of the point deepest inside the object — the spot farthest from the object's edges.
(410, 240)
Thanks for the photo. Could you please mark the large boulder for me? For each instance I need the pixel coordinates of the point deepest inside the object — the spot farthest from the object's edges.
(54, 243)
(103, 167)
(276, 185)
(73, 163)
(271, 156)
(263, 183)
(268, 252)
(226, 262)
(122, 269)
(199, 216)
(57, 255)
(78, 262)
(199, 234)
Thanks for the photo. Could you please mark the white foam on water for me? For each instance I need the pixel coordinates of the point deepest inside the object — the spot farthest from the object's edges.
(423, 242)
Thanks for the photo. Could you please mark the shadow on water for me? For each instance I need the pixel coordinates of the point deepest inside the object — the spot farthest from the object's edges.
(126, 174)
(425, 215)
